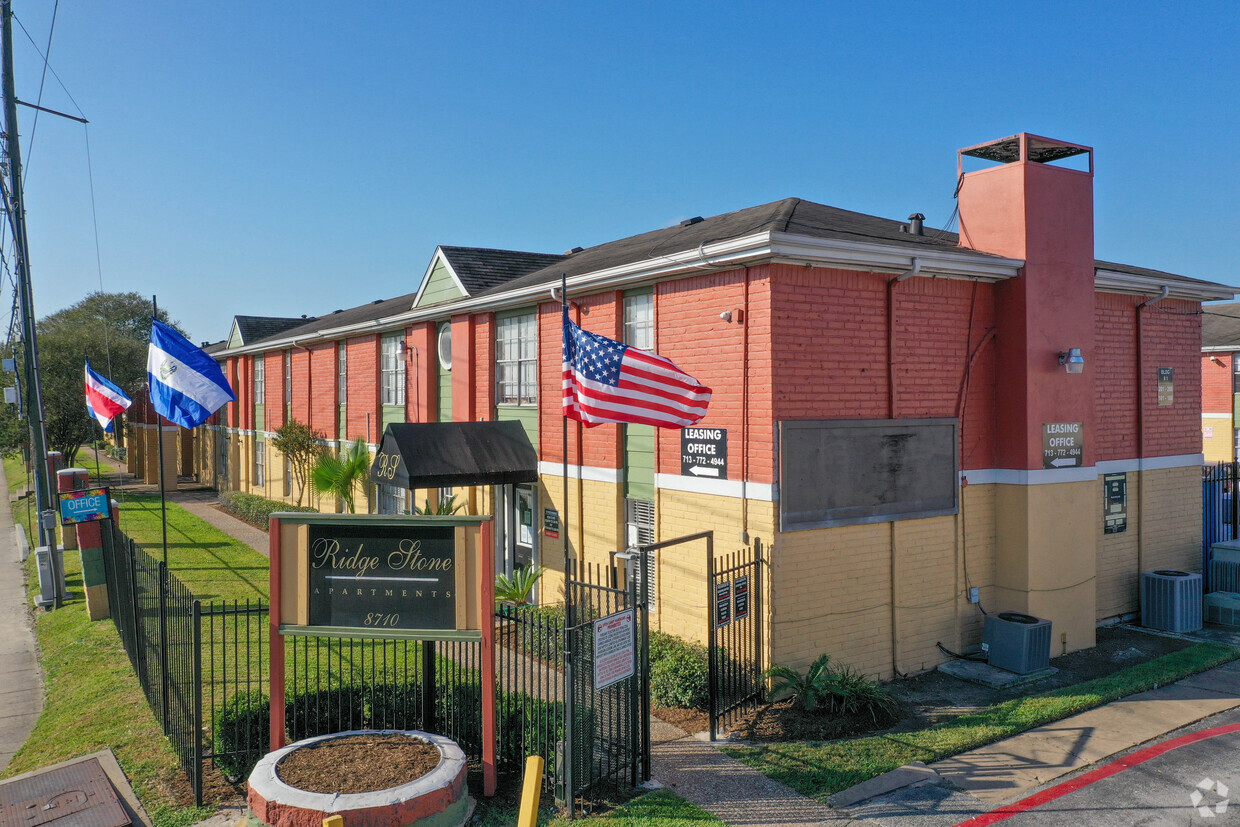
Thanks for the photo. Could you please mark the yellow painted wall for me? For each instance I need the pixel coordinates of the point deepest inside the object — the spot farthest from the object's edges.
(1217, 442)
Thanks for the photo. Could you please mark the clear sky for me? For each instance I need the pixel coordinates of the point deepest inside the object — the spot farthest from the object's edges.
(280, 158)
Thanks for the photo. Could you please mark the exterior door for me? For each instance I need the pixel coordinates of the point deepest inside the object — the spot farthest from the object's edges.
(517, 541)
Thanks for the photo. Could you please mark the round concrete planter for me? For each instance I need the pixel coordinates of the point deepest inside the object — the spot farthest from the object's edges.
(437, 799)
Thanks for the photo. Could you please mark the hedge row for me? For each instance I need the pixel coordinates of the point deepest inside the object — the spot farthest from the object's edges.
(256, 509)
(678, 672)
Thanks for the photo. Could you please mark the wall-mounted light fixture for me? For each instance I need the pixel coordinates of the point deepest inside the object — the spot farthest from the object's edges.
(1213, 359)
(726, 315)
(1072, 360)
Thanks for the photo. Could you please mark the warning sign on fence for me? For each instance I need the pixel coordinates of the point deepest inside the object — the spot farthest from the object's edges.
(615, 648)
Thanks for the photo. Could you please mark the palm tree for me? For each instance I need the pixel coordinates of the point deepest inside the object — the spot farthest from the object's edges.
(339, 476)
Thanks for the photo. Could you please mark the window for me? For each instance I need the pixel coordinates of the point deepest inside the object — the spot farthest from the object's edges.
(445, 495)
(1235, 372)
(342, 373)
(288, 378)
(260, 380)
(392, 371)
(516, 360)
(639, 321)
(393, 499)
(260, 464)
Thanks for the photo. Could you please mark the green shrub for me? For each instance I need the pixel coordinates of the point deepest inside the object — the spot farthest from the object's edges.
(255, 509)
(679, 678)
(809, 689)
(338, 709)
(242, 733)
(837, 691)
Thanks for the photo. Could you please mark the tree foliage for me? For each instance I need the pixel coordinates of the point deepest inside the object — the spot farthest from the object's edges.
(114, 331)
(339, 476)
(300, 445)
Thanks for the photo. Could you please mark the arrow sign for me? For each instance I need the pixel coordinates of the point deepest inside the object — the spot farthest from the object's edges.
(699, 471)
(1062, 461)
(704, 452)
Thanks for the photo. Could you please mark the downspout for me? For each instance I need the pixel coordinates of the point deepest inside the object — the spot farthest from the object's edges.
(1166, 291)
(892, 409)
(744, 322)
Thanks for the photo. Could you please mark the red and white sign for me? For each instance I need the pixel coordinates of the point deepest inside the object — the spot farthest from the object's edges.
(615, 648)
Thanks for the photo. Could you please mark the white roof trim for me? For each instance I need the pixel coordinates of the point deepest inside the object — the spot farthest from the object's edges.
(1115, 281)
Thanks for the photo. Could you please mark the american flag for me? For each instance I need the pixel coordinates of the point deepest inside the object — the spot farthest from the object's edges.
(606, 381)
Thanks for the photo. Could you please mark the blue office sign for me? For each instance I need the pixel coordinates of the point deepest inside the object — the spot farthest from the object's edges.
(85, 506)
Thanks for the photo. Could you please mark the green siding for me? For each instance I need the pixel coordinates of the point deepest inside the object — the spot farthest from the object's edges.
(445, 395)
(527, 415)
(392, 415)
(639, 462)
(440, 286)
(1235, 408)
(260, 417)
(342, 423)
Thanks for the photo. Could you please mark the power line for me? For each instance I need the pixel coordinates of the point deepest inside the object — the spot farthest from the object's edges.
(34, 125)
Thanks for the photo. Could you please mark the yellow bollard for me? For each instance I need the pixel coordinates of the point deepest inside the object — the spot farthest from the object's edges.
(531, 789)
(333, 821)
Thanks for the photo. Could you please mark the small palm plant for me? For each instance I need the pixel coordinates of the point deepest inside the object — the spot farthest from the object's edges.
(445, 507)
(808, 689)
(339, 476)
(516, 589)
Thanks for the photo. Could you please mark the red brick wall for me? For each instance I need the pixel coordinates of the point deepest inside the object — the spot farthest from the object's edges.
(323, 408)
(1216, 383)
(273, 365)
(421, 372)
(232, 415)
(830, 343)
(1115, 378)
(483, 368)
(363, 370)
(1171, 337)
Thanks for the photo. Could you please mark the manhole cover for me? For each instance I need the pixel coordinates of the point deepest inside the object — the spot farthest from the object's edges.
(79, 795)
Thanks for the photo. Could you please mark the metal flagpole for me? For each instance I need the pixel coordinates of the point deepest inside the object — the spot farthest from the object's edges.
(159, 439)
(569, 620)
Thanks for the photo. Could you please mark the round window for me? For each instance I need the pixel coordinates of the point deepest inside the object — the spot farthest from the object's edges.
(445, 346)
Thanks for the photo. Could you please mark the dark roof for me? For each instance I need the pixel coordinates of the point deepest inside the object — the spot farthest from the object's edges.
(1158, 275)
(791, 215)
(254, 328)
(375, 310)
(215, 347)
(1220, 325)
(480, 269)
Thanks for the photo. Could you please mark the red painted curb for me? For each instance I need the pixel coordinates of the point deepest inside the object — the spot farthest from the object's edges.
(1105, 771)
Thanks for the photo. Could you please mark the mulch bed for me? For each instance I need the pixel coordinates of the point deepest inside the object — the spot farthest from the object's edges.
(785, 721)
(690, 720)
(358, 764)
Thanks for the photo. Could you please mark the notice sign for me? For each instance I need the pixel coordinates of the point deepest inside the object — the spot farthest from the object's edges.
(615, 648)
(704, 452)
(1114, 503)
(551, 523)
(723, 603)
(85, 506)
(1063, 445)
(1166, 387)
(383, 576)
(740, 598)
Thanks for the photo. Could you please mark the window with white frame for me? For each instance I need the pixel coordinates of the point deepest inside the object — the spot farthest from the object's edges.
(342, 373)
(392, 369)
(393, 499)
(260, 380)
(260, 464)
(288, 378)
(639, 321)
(516, 360)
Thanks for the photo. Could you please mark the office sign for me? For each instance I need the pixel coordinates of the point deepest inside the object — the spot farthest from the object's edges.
(1063, 445)
(85, 506)
(704, 452)
(551, 523)
(1114, 503)
(383, 577)
(615, 648)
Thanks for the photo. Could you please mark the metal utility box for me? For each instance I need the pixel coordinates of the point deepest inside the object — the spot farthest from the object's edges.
(43, 558)
(1171, 600)
(1017, 642)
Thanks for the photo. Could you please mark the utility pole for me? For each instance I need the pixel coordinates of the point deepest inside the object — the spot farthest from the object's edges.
(17, 218)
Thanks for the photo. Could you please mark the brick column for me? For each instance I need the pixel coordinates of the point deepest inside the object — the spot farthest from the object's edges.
(88, 538)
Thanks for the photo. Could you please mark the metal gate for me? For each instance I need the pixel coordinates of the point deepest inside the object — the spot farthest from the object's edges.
(734, 643)
(607, 709)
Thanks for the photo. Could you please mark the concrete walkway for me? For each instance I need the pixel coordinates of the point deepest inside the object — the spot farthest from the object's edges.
(21, 681)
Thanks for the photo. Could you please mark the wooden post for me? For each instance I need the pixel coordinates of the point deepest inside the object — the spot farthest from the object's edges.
(276, 695)
(487, 608)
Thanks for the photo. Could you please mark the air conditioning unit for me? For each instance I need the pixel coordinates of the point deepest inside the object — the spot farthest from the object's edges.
(1224, 575)
(1171, 600)
(1017, 642)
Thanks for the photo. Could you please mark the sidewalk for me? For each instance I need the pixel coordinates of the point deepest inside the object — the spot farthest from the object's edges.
(21, 682)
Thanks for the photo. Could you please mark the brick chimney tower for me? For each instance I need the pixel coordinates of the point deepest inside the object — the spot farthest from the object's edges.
(1045, 507)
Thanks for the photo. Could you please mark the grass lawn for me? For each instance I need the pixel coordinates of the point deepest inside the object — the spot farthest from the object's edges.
(661, 808)
(820, 769)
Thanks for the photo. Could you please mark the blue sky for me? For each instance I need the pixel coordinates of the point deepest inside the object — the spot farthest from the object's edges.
(279, 158)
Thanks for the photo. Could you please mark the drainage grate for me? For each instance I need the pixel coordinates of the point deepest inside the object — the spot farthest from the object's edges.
(80, 790)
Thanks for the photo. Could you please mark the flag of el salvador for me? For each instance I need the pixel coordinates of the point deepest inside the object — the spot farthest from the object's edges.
(186, 384)
(104, 400)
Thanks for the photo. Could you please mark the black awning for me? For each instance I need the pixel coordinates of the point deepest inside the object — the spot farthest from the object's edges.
(452, 454)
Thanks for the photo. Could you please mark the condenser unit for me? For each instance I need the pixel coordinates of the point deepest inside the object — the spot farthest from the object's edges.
(1171, 600)
(1017, 642)
(1224, 575)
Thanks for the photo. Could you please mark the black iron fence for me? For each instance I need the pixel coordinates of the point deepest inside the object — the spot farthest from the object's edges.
(1220, 509)
(205, 672)
(734, 643)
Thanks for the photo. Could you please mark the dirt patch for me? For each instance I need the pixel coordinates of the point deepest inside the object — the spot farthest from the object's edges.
(357, 764)
(690, 720)
(934, 697)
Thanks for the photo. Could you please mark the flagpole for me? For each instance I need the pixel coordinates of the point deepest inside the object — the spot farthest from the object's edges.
(159, 439)
(564, 435)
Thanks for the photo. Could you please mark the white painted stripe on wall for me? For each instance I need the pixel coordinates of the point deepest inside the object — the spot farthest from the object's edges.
(592, 473)
(1216, 415)
(1014, 476)
(720, 488)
